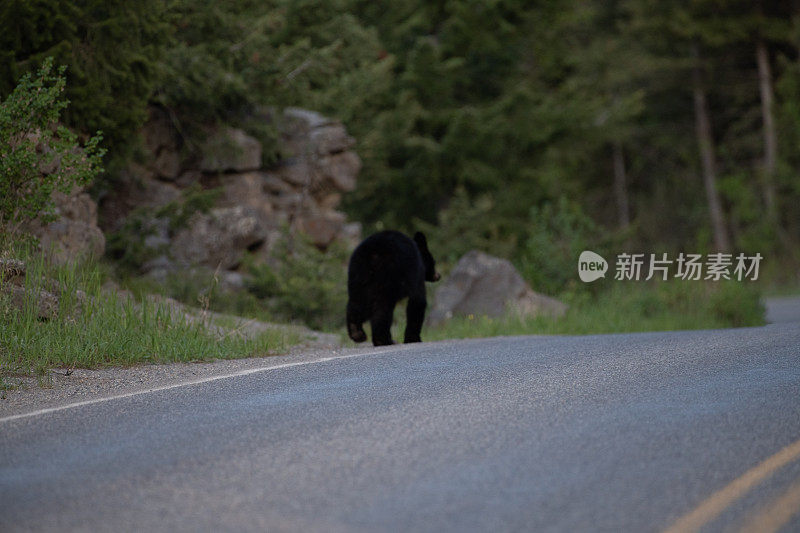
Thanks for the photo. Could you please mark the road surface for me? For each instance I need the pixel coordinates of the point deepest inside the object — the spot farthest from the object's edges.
(631, 432)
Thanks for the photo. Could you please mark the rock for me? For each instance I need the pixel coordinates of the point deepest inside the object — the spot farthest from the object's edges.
(246, 190)
(136, 188)
(341, 169)
(188, 178)
(158, 266)
(167, 165)
(319, 156)
(275, 185)
(158, 132)
(156, 231)
(77, 206)
(230, 149)
(330, 139)
(534, 304)
(66, 240)
(43, 295)
(305, 119)
(322, 226)
(289, 203)
(295, 171)
(481, 284)
(12, 270)
(300, 192)
(351, 234)
(232, 281)
(74, 234)
(44, 302)
(330, 202)
(219, 238)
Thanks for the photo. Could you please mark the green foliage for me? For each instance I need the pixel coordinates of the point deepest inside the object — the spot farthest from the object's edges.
(193, 200)
(104, 328)
(307, 285)
(127, 245)
(37, 155)
(557, 234)
(463, 226)
(629, 307)
(111, 49)
(467, 113)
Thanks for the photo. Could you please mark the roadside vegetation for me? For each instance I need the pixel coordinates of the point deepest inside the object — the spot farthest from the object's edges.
(91, 325)
(477, 122)
(629, 308)
(62, 315)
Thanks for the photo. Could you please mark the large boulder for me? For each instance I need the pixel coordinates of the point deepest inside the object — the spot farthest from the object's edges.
(319, 156)
(484, 285)
(219, 238)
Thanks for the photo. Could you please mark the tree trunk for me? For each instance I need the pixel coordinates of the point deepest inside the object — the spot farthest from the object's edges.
(705, 142)
(770, 137)
(620, 187)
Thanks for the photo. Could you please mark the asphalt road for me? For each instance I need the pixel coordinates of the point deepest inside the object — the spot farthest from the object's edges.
(634, 432)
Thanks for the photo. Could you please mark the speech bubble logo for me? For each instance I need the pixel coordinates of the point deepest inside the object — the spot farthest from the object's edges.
(591, 266)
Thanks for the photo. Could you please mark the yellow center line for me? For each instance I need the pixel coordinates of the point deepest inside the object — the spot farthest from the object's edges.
(775, 516)
(712, 506)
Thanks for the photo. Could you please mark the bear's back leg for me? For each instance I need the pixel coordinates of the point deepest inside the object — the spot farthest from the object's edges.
(381, 322)
(415, 316)
(355, 318)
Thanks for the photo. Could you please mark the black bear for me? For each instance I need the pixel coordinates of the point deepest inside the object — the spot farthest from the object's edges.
(384, 269)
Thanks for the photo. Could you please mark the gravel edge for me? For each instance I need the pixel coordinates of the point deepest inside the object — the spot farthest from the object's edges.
(30, 393)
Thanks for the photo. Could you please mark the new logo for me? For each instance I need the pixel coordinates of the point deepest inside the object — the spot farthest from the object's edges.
(591, 266)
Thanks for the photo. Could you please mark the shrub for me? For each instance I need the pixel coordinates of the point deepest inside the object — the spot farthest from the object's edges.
(308, 285)
(465, 224)
(37, 156)
(557, 234)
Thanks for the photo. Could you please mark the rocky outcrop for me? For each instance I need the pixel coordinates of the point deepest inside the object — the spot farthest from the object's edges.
(483, 285)
(219, 238)
(229, 150)
(74, 234)
(256, 204)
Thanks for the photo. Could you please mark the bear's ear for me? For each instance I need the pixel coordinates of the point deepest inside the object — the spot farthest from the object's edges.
(422, 242)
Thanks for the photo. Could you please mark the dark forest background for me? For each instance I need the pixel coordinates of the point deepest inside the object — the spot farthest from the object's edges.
(532, 130)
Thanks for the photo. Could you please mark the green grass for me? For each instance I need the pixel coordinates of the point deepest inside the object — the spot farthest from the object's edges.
(106, 329)
(624, 307)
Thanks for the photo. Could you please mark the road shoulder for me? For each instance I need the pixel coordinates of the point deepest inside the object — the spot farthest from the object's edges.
(28, 394)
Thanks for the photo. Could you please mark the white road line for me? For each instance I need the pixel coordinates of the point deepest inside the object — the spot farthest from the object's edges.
(194, 382)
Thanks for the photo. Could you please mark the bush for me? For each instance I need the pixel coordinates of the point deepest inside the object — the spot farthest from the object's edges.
(465, 225)
(307, 286)
(37, 156)
(557, 234)
(127, 245)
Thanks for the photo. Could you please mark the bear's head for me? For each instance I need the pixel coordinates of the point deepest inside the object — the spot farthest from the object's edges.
(427, 258)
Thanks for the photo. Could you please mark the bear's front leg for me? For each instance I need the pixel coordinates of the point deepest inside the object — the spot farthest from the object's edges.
(415, 315)
(381, 323)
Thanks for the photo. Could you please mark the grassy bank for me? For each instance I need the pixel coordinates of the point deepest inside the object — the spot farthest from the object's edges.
(624, 308)
(93, 327)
